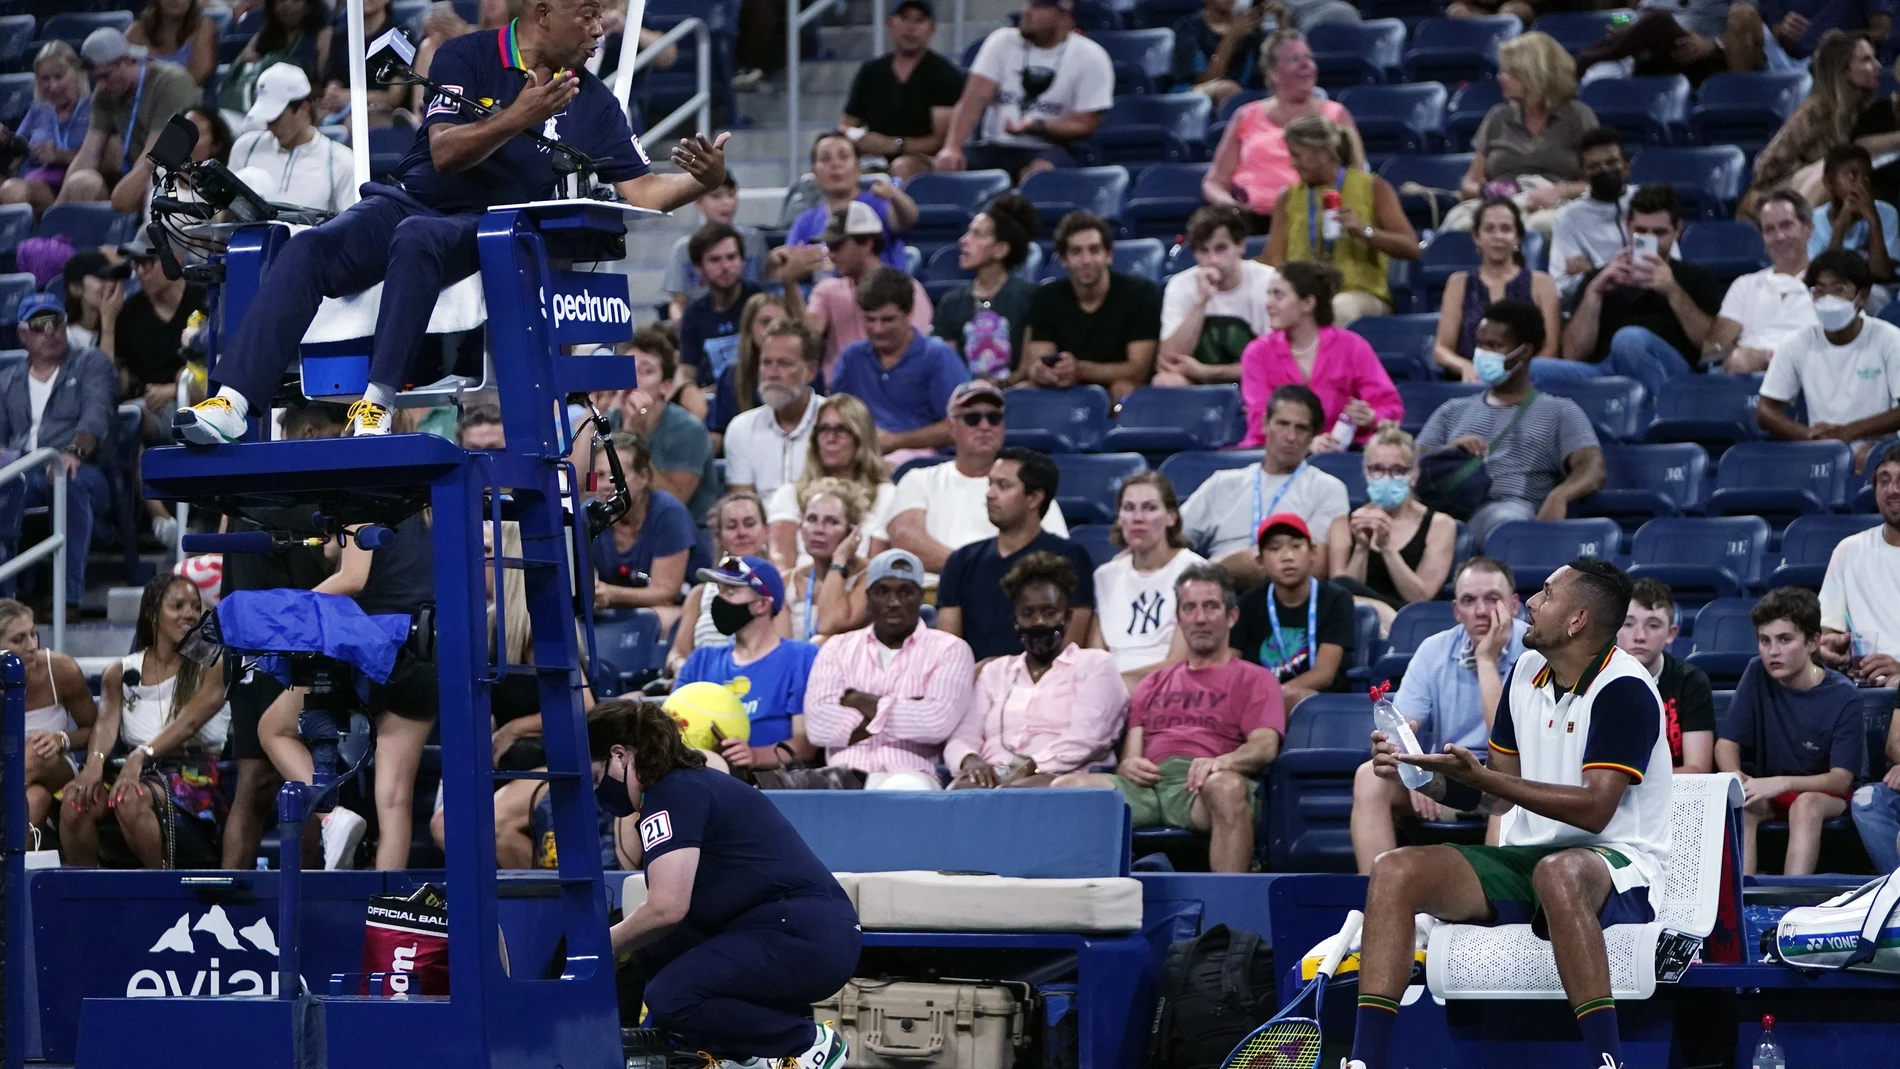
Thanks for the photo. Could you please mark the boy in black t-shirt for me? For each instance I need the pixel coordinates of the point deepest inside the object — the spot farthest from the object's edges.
(1296, 625)
(1097, 325)
(1688, 707)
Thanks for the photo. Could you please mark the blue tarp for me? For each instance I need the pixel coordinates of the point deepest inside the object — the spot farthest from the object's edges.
(301, 621)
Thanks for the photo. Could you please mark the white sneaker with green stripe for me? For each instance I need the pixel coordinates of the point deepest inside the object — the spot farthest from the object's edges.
(827, 1051)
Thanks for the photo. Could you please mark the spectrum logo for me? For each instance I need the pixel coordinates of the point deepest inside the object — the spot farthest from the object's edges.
(590, 308)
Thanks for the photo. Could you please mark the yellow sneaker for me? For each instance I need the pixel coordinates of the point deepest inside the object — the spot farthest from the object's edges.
(367, 417)
(212, 421)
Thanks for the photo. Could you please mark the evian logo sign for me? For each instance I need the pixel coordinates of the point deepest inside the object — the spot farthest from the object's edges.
(588, 306)
(202, 978)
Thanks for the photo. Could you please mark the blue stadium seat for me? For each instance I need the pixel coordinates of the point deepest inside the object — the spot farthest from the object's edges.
(1615, 405)
(1162, 12)
(1141, 257)
(1646, 111)
(10, 357)
(1699, 559)
(1169, 419)
(1055, 194)
(1458, 50)
(1358, 53)
(15, 288)
(1094, 538)
(1422, 398)
(1397, 120)
(627, 645)
(387, 146)
(1144, 129)
(1724, 640)
(16, 224)
(89, 224)
(1328, 736)
(947, 200)
(1237, 101)
(73, 26)
(1715, 410)
(1187, 471)
(1577, 30)
(1745, 109)
(1149, 53)
(1648, 481)
(1728, 247)
(1808, 544)
(1089, 483)
(1413, 625)
(1367, 646)
(1449, 252)
(1057, 421)
(1708, 178)
(1782, 479)
(16, 96)
(1411, 12)
(914, 463)
(1404, 344)
(16, 34)
(1536, 548)
(1467, 109)
(1348, 468)
(1162, 198)
(1436, 179)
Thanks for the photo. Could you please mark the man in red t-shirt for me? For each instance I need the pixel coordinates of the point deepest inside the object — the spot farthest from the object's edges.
(1200, 730)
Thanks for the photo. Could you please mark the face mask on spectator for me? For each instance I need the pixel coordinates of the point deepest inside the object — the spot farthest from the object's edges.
(1606, 186)
(1835, 313)
(728, 616)
(1490, 367)
(1389, 492)
(611, 794)
(1041, 643)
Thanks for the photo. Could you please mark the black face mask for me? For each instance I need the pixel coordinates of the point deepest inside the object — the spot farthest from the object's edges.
(1041, 643)
(612, 797)
(1606, 186)
(729, 617)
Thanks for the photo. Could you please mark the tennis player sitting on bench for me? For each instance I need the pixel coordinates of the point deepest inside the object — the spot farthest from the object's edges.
(418, 233)
(1578, 749)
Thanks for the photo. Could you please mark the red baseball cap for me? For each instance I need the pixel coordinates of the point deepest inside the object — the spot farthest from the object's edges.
(1288, 520)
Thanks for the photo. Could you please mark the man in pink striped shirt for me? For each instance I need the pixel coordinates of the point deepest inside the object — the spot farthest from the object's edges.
(883, 699)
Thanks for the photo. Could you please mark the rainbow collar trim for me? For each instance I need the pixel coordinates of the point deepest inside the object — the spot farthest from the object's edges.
(508, 40)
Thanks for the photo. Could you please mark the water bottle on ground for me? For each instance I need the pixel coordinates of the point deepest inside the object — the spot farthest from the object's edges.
(1386, 718)
(1768, 1052)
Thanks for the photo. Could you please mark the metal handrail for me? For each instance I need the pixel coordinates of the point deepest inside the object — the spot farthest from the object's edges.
(183, 513)
(794, 26)
(54, 544)
(700, 101)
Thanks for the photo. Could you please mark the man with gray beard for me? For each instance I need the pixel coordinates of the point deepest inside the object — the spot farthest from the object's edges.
(766, 446)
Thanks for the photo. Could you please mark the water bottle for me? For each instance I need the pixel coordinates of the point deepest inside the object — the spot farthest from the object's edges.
(1386, 718)
(1329, 217)
(1343, 430)
(1768, 1052)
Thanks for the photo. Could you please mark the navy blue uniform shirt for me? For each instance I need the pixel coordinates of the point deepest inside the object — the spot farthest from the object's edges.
(749, 854)
(485, 66)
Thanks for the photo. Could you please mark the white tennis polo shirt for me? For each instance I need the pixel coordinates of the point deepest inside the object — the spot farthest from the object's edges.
(1611, 718)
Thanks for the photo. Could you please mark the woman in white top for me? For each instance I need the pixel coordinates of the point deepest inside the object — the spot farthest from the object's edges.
(161, 713)
(59, 709)
(737, 523)
(1134, 593)
(843, 445)
(832, 531)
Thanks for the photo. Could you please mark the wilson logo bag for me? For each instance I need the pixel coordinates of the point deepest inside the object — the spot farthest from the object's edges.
(407, 940)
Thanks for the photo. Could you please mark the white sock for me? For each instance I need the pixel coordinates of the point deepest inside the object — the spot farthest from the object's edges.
(378, 394)
(237, 400)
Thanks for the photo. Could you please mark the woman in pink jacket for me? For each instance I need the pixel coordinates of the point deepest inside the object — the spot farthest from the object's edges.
(1306, 348)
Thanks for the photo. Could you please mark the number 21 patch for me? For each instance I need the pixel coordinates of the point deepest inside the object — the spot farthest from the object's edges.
(655, 830)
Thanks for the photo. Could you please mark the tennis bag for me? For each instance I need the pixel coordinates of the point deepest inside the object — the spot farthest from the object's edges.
(1215, 988)
(1857, 930)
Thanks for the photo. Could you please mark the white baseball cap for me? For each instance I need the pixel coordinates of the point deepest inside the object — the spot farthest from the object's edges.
(278, 88)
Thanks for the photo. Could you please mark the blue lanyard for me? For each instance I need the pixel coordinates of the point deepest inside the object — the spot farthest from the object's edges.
(1260, 513)
(1312, 622)
(63, 132)
(127, 139)
(811, 592)
(1313, 211)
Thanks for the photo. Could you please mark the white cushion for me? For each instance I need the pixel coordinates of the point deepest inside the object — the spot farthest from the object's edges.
(462, 306)
(936, 901)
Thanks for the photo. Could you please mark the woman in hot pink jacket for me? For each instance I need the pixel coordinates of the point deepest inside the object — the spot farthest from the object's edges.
(1305, 348)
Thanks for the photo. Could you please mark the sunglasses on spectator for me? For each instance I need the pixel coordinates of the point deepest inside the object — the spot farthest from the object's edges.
(43, 324)
(975, 419)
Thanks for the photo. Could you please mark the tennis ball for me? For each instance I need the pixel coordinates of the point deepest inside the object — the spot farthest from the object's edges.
(699, 706)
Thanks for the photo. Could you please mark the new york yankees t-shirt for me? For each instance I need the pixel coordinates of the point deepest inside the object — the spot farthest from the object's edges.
(1137, 610)
(1205, 712)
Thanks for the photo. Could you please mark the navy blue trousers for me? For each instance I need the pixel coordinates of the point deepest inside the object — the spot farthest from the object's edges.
(747, 991)
(386, 237)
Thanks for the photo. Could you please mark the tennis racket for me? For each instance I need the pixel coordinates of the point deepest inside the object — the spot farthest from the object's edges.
(1291, 1041)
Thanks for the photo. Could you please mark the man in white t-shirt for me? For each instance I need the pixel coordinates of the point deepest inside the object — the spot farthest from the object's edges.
(289, 162)
(1036, 88)
(766, 446)
(1580, 752)
(1209, 314)
(940, 509)
(1847, 367)
(1860, 598)
(1764, 309)
(1223, 513)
